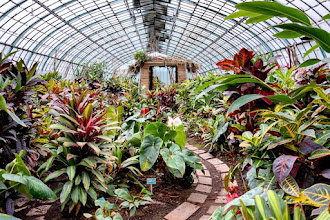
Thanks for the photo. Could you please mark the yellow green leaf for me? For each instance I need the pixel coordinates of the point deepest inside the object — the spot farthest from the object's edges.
(302, 199)
(290, 186)
(319, 193)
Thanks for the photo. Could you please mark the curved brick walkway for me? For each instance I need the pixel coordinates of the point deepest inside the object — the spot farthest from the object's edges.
(206, 191)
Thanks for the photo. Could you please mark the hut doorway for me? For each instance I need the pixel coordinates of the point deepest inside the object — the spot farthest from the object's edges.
(161, 76)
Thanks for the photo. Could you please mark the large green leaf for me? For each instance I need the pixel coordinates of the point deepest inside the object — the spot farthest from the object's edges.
(85, 180)
(92, 193)
(66, 191)
(136, 139)
(259, 18)
(247, 198)
(261, 207)
(278, 142)
(55, 174)
(287, 34)
(217, 214)
(241, 13)
(324, 215)
(38, 189)
(149, 151)
(156, 129)
(75, 195)
(289, 130)
(274, 9)
(8, 217)
(180, 137)
(322, 37)
(71, 171)
(222, 128)
(174, 160)
(123, 194)
(290, 186)
(280, 98)
(243, 100)
(311, 50)
(277, 204)
(319, 193)
(82, 196)
(14, 177)
(322, 137)
(309, 62)
(191, 159)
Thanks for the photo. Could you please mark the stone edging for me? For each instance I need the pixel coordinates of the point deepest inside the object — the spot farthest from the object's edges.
(204, 187)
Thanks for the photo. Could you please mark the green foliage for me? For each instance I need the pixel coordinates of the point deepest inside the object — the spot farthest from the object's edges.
(261, 11)
(105, 211)
(95, 71)
(17, 177)
(77, 149)
(140, 56)
(18, 91)
(268, 205)
(158, 141)
(133, 202)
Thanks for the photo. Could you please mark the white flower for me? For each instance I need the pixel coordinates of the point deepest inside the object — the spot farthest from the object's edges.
(170, 121)
(177, 121)
(174, 122)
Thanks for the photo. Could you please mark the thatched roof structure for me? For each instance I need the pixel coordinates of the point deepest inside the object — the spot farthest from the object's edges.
(191, 66)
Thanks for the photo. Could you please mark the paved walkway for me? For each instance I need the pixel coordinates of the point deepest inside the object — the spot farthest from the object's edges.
(206, 191)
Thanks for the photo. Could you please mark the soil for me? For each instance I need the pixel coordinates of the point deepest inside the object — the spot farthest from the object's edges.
(166, 196)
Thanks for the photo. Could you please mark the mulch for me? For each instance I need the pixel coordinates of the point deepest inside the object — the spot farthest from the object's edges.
(166, 196)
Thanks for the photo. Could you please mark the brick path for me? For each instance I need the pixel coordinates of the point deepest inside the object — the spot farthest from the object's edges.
(204, 193)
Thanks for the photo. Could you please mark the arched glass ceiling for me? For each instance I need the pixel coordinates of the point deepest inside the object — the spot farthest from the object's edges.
(62, 34)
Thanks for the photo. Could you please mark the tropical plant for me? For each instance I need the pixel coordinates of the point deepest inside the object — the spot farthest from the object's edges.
(76, 150)
(107, 211)
(301, 27)
(269, 205)
(133, 202)
(95, 72)
(16, 85)
(17, 179)
(140, 56)
(316, 196)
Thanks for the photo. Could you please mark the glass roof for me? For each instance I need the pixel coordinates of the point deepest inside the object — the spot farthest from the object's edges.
(61, 34)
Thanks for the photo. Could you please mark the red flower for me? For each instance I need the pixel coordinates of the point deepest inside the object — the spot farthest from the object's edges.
(231, 196)
(278, 65)
(144, 111)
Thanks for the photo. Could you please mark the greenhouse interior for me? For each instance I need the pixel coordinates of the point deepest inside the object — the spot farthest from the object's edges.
(164, 109)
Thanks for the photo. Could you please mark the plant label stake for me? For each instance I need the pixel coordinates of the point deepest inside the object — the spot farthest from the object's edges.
(151, 181)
